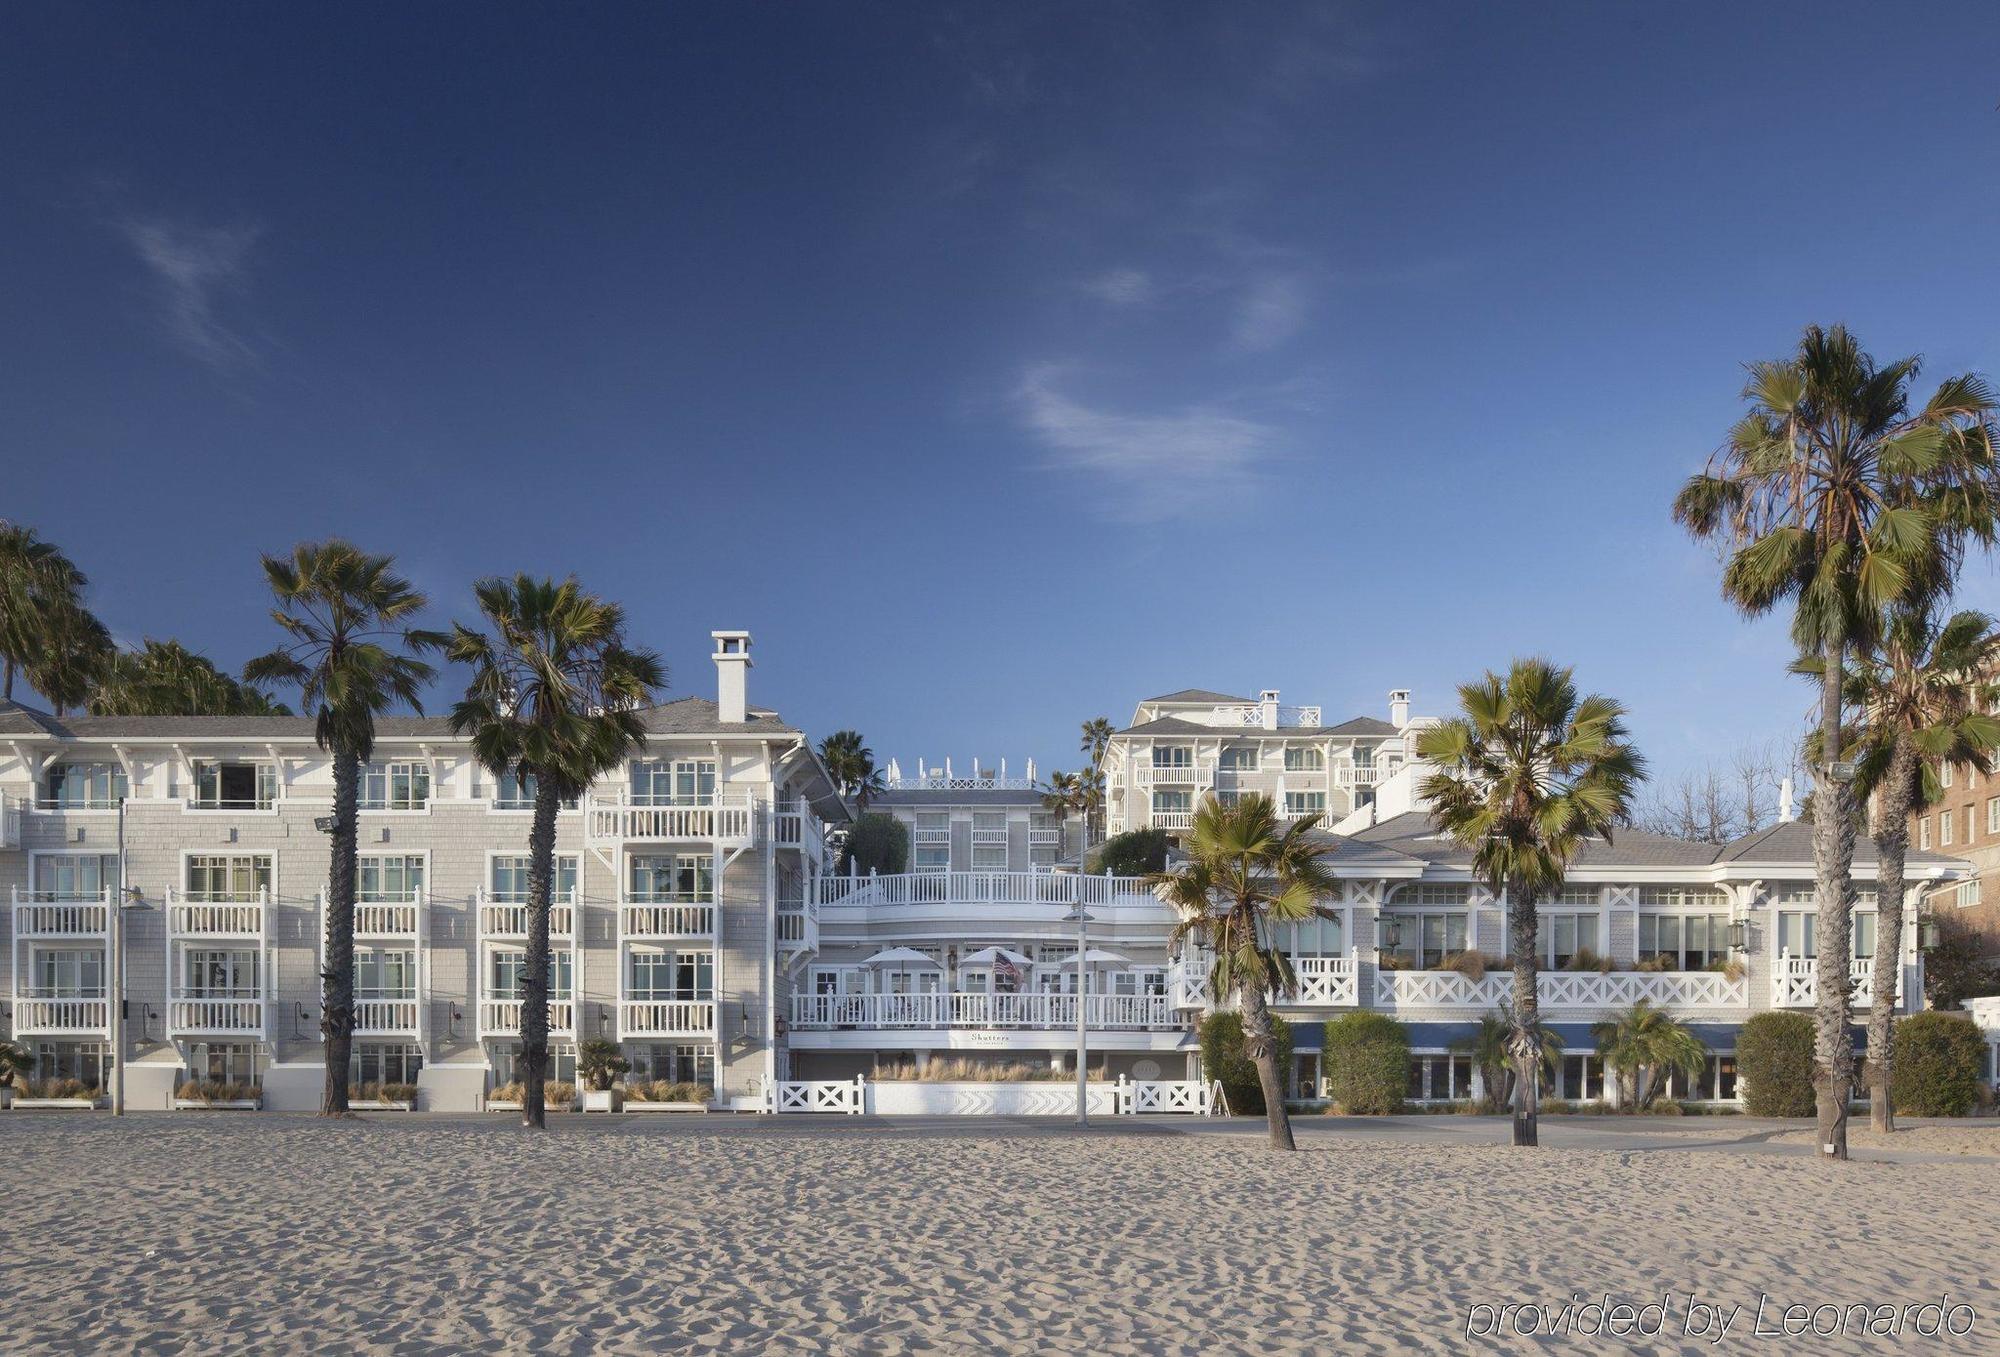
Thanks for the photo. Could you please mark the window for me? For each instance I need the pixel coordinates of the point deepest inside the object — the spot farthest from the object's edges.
(69, 973)
(1179, 802)
(88, 1062)
(510, 968)
(395, 786)
(1559, 937)
(680, 782)
(656, 976)
(1239, 758)
(75, 876)
(1229, 796)
(1970, 836)
(1439, 1078)
(1715, 1083)
(1862, 939)
(510, 878)
(1682, 897)
(673, 1063)
(220, 973)
(933, 826)
(1993, 815)
(1364, 756)
(225, 1062)
(1314, 938)
(1310, 759)
(1305, 803)
(235, 786)
(932, 857)
(1427, 938)
(84, 786)
(228, 876)
(682, 879)
(1683, 942)
(989, 827)
(385, 1062)
(1924, 832)
(1578, 895)
(1944, 828)
(1580, 1078)
(989, 857)
(390, 879)
(514, 792)
(385, 973)
(1173, 756)
(560, 1067)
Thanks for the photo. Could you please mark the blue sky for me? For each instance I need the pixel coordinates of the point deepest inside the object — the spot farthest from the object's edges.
(998, 366)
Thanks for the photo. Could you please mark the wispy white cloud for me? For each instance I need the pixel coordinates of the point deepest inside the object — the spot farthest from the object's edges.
(195, 268)
(1150, 467)
(1271, 309)
(1121, 287)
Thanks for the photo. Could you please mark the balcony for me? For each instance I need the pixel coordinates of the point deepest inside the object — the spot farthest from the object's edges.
(194, 914)
(1325, 982)
(977, 1009)
(798, 922)
(395, 1017)
(1176, 774)
(1171, 820)
(38, 1014)
(502, 1017)
(982, 888)
(1588, 990)
(794, 825)
(386, 918)
(727, 818)
(1358, 774)
(507, 917)
(667, 919)
(1045, 838)
(53, 914)
(666, 1018)
(10, 821)
(233, 1015)
(1795, 982)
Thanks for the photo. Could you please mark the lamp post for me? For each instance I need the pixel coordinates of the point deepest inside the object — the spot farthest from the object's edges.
(1081, 918)
(117, 902)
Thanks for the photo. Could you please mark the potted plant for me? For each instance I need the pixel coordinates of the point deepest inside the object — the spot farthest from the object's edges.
(13, 1061)
(599, 1063)
(217, 1095)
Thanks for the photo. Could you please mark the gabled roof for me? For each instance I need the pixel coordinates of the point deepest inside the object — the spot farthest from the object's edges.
(1361, 725)
(16, 719)
(1175, 725)
(1414, 834)
(1195, 695)
(1791, 841)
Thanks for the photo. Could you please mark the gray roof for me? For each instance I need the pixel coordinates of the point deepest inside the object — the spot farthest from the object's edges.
(1177, 725)
(1197, 695)
(1360, 725)
(944, 796)
(1791, 841)
(16, 719)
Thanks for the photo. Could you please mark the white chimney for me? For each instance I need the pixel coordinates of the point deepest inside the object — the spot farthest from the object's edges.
(1785, 798)
(1399, 707)
(1268, 700)
(732, 668)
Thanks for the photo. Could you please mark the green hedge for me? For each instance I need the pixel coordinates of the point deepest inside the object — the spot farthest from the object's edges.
(1366, 1060)
(1136, 852)
(876, 843)
(1222, 1058)
(1938, 1059)
(1774, 1059)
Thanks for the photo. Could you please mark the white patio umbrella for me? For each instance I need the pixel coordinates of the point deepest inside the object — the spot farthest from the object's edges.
(900, 956)
(1097, 956)
(986, 956)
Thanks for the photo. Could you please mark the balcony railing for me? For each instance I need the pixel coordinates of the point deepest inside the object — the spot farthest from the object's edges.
(1610, 990)
(52, 914)
(215, 1017)
(195, 914)
(508, 917)
(982, 888)
(56, 1014)
(385, 1017)
(1357, 774)
(798, 922)
(1176, 774)
(1795, 982)
(386, 918)
(976, 1009)
(666, 1018)
(10, 821)
(1326, 981)
(794, 825)
(1170, 819)
(677, 919)
(728, 817)
(1044, 838)
(502, 1017)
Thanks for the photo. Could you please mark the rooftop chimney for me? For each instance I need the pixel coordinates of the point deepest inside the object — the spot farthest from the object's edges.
(1268, 700)
(1399, 707)
(732, 666)
(1785, 798)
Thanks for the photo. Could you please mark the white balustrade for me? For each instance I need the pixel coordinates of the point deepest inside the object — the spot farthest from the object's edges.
(1326, 981)
(385, 918)
(1188, 1096)
(502, 1017)
(48, 1015)
(848, 1097)
(193, 914)
(1171, 820)
(10, 821)
(1171, 774)
(978, 1009)
(1795, 982)
(227, 1016)
(385, 1017)
(678, 919)
(982, 888)
(508, 918)
(666, 1018)
(1400, 989)
(47, 914)
(726, 817)
(1357, 774)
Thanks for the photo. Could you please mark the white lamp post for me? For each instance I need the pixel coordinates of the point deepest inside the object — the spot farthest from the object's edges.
(1081, 918)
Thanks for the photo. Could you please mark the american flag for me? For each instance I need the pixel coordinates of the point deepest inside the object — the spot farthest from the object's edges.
(1006, 970)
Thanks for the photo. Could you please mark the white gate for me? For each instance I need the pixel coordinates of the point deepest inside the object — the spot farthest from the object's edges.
(845, 1096)
(1190, 1096)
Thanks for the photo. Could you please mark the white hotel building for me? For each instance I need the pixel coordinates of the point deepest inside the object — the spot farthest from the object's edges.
(702, 925)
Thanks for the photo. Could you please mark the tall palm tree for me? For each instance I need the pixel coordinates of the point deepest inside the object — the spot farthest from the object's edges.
(1247, 874)
(351, 654)
(165, 678)
(851, 764)
(1642, 1046)
(1524, 775)
(1065, 795)
(1832, 492)
(76, 649)
(555, 696)
(1925, 692)
(37, 582)
(1097, 733)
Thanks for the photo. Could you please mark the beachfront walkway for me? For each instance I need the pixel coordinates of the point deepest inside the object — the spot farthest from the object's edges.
(224, 1233)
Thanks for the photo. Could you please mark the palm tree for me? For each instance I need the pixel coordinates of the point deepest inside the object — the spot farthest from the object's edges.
(76, 649)
(351, 656)
(1489, 1048)
(1523, 777)
(165, 678)
(37, 582)
(554, 697)
(1097, 732)
(851, 764)
(1833, 493)
(1642, 1046)
(1248, 874)
(1926, 697)
(1066, 794)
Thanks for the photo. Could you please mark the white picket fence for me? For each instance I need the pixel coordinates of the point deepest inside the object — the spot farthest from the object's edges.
(1126, 1098)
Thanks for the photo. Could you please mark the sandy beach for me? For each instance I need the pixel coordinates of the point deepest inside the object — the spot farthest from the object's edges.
(215, 1233)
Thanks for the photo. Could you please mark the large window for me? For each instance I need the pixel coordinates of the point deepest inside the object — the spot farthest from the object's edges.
(675, 782)
(1559, 937)
(1422, 939)
(1683, 942)
(395, 786)
(225, 1062)
(1314, 938)
(228, 876)
(1439, 1078)
(385, 1062)
(1579, 1079)
(69, 973)
(1305, 803)
(510, 878)
(75, 876)
(235, 786)
(654, 975)
(390, 878)
(1173, 802)
(88, 1062)
(219, 973)
(681, 879)
(513, 792)
(385, 973)
(1715, 1083)
(675, 1063)
(931, 857)
(1173, 756)
(83, 786)
(1239, 758)
(1310, 759)
(509, 968)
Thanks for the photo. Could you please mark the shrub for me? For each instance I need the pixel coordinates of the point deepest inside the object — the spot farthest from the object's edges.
(554, 1095)
(1956, 969)
(1366, 1057)
(875, 843)
(1937, 1062)
(215, 1091)
(1587, 959)
(1222, 1058)
(1471, 965)
(599, 1062)
(1134, 853)
(1774, 1061)
(663, 1091)
(56, 1088)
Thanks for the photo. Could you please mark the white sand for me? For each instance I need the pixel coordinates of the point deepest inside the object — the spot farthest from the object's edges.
(1930, 1138)
(209, 1233)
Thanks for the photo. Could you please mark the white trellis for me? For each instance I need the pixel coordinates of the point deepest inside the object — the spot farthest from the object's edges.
(848, 1097)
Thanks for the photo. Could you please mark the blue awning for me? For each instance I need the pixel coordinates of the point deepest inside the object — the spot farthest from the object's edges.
(1438, 1036)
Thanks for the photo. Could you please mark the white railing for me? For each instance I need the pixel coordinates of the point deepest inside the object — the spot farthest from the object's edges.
(507, 918)
(1359, 774)
(728, 817)
(48, 914)
(1251, 715)
(666, 1018)
(848, 1097)
(794, 825)
(37, 1015)
(1042, 838)
(197, 915)
(1174, 774)
(10, 821)
(932, 836)
(1170, 819)
(502, 1017)
(1187, 980)
(989, 836)
(798, 922)
(381, 1017)
(385, 918)
(231, 803)
(1189, 1096)
(976, 1009)
(1795, 982)
(981, 888)
(199, 1017)
(678, 919)
(1397, 989)
(1326, 981)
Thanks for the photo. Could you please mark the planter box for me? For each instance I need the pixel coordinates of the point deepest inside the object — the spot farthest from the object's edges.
(493, 1106)
(379, 1106)
(633, 1106)
(232, 1105)
(59, 1104)
(603, 1100)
